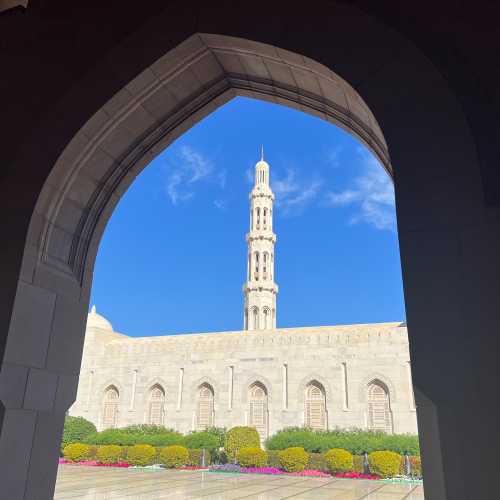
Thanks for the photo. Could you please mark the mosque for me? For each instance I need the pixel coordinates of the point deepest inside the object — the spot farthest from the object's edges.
(347, 376)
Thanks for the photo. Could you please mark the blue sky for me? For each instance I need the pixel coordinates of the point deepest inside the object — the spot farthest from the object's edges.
(173, 256)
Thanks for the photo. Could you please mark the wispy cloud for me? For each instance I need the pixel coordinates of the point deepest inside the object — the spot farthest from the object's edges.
(220, 204)
(293, 195)
(332, 156)
(372, 195)
(190, 168)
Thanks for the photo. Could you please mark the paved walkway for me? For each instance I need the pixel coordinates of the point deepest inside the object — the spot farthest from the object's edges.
(103, 483)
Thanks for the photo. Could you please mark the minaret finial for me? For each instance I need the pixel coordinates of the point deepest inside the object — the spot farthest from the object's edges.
(262, 152)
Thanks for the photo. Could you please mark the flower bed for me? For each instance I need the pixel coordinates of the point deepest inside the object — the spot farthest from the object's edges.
(234, 468)
(92, 463)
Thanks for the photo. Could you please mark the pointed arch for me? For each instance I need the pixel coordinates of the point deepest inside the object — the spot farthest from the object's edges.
(205, 411)
(379, 407)
(266, 318)
(258, 404)
(156, 405)
(111, 401)
(315, 416)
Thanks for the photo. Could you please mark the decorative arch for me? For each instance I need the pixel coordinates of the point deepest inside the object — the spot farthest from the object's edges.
(315, 414)
(201, 381)
(379, 412)
(266, 318)
(373, 377)
(257, 379)
(205, 411)
(156, 404)
(258, 408)
(313, 378)
(110, 407)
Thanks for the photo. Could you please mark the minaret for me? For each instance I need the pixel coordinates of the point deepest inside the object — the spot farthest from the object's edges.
(260, 290)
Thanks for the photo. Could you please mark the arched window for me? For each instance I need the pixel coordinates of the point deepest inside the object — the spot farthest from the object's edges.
(110, 409)
(264, 266)
(267, 319)
(256, 255)
(255, 318)
(257, 409)
(205, 407)
(379, 407)
(265, 217)
(258, 217)
(156, 405)
(315, 406)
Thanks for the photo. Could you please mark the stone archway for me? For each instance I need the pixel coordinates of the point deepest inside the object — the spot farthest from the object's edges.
(40, 367)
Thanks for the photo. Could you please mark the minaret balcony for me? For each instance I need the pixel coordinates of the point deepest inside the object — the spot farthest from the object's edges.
(260, 235)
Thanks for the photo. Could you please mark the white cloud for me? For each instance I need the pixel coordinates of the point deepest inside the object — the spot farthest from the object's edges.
(372, 196)
(293, 195)
(332, 156)
(220, 204)
(190, 168)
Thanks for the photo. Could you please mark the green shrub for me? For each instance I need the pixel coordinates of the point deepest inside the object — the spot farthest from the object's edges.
(219, 433)
(200, 440)
(241, 437)
(251, 457)
(294, 459)
(358, 463)
(339, 460)
(109, 454)
(174, 456)
(141, 455)
(354, 441)
(75, 430)
(126, 437)
(273, 458)
(145, 429)
(76, 452)
(317, 462)
(385, 463)
(196, 457)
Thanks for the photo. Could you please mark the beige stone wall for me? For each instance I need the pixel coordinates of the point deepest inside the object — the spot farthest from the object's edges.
(332, 356)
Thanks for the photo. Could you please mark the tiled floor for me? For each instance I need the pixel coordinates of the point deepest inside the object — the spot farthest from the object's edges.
(102, 483)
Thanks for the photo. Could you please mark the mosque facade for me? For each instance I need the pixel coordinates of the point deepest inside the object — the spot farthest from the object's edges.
(327, 377)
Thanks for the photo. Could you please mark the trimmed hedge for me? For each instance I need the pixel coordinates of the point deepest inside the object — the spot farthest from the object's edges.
(129, 437)
(354, 441)
(76, 452)
(241, 437)
(75, 430)
(202, 440)
(109, 454)
(195, 457)
(174, 456)
(141, 455)
(339, 460)
(385, 463)
(294, 459)
(251, 457)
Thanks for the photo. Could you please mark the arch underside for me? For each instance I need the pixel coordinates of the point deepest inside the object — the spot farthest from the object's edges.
(155, 108)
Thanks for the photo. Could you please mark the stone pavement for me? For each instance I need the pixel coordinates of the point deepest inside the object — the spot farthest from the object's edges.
(103, 483)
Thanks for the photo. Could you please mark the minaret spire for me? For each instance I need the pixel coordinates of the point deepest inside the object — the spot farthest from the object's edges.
(260, 290)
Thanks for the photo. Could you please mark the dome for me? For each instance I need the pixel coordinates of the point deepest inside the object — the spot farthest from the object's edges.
(262, 164)
(95, 320)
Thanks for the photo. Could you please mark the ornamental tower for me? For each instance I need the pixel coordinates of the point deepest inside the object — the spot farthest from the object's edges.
(260, 290)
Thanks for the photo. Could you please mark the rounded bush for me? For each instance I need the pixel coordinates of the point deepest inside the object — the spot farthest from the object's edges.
(174, 456)
(241, 437)
(141, 455)
(251, 457)
(339, 460)
(385, 463)
(294, 459)
(109, 454)
(76, 452)
(76, 429)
